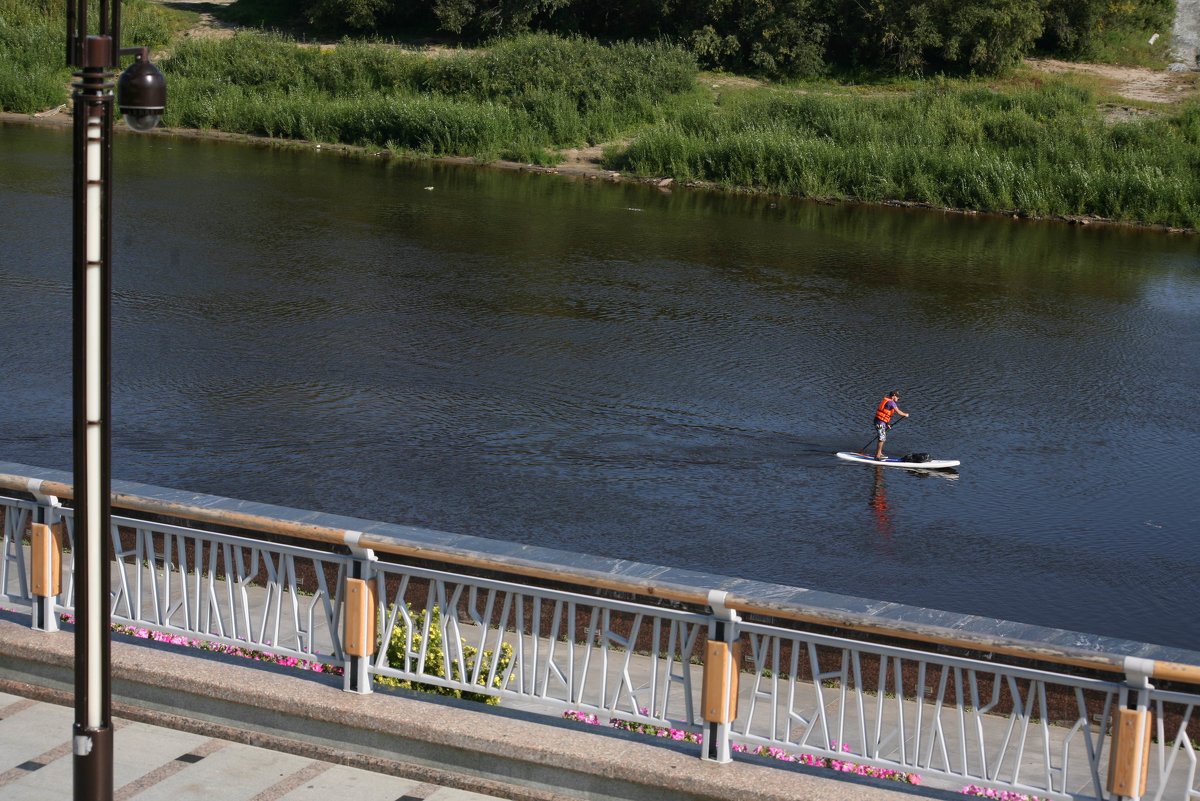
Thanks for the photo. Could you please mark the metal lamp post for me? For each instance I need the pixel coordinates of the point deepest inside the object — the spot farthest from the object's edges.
(142, 96)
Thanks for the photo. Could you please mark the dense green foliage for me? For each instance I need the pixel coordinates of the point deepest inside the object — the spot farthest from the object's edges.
(517, 100)
(785, 38)
(1038, 152)
(472, 18)
(913, 36)
(33, 72)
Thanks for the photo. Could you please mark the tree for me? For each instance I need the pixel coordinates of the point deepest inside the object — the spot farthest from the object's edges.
(917, 36)
(775, 38)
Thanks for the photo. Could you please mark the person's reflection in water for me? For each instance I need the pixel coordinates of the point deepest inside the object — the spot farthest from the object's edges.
(879, 505)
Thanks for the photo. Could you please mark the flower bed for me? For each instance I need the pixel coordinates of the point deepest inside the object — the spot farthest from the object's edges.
(218, 648)
(1000, 795)
(810, 760)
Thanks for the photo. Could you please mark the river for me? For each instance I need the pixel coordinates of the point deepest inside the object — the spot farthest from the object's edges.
(618, 370)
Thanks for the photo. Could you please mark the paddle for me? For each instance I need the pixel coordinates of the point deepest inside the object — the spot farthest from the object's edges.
(876, 437)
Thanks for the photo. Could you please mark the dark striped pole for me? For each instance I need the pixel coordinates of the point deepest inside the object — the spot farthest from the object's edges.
(96, 57)
(91, 366)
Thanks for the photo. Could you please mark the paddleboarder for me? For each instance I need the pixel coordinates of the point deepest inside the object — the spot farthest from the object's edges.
(883, 419)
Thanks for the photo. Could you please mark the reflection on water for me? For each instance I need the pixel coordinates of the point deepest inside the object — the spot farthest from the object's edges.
(879, 505)
(525, 357)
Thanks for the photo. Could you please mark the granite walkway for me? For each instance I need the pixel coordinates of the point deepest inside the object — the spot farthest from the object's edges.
(156, 763)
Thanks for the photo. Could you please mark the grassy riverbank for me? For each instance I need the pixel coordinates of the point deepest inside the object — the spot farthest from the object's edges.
(1042, 151)
(521, 99)
(1032, 147)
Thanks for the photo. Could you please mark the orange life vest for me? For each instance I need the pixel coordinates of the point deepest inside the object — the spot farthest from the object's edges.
(884, 414)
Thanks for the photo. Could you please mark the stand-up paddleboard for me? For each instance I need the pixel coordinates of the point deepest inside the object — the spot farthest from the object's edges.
(894, 461)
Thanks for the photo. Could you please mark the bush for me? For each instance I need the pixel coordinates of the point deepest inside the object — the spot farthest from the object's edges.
(357, 16)
(780, 39)
(990, 37)
(913, 37)
(471, 18)
(777, 39)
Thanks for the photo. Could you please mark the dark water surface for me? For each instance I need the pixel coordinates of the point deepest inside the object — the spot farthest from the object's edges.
(656, 376)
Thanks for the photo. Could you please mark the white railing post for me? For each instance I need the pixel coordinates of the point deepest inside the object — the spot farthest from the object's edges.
(359, 612)
(719, 691)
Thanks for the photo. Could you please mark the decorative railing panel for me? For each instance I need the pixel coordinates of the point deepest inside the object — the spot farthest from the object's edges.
(14, 562)
(916, 711)
(1173, 749)
(556, 648)
(276, 598)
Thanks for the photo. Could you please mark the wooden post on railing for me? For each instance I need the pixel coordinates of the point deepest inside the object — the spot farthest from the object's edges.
(358, 625)
(1129, 756)
(47, 535)
(46, 579)
(1129, 761)
(719, 688)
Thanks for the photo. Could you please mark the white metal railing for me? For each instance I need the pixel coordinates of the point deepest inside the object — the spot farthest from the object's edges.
(947, 718)
(215, 587)
(229, 589)
(932, 714)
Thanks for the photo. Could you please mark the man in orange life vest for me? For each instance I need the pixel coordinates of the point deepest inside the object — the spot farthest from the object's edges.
(883, 419)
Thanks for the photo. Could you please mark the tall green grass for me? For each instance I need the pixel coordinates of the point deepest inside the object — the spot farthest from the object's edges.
(34, 75)
(1041, 152)
(33, 72)
(1131, 48)
(521, 98)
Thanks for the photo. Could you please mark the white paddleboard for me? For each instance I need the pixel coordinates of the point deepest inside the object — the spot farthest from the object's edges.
(893, 461)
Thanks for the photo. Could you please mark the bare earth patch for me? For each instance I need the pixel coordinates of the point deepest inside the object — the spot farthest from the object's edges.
(583, 157)
(209, 27)
(583, 161)
(1134, 83)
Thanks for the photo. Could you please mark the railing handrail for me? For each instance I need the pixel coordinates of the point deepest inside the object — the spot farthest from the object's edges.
(651, 584)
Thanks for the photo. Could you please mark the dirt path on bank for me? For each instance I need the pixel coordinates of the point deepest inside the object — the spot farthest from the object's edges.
(1131, 83)
(209, 27)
